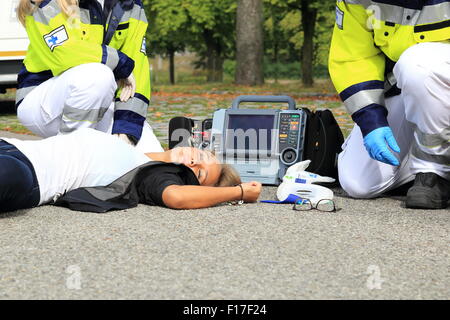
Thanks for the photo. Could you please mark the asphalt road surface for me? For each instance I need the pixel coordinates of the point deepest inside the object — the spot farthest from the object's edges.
(370, 249)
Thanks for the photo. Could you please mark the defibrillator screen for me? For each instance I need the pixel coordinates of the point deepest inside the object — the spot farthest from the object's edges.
(250, 132)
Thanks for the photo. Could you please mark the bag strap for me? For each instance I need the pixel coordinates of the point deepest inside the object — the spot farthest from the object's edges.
(322, 125)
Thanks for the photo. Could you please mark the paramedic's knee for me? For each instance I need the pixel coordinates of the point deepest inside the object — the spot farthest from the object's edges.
(357, 190)
(23, 115)
(355, 186)
(354, 166)
(94, 81)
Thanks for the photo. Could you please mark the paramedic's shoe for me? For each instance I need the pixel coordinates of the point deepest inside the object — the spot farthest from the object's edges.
(430, 191)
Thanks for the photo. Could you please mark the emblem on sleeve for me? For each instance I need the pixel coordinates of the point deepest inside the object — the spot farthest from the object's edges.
(144, 46)
(56, 38)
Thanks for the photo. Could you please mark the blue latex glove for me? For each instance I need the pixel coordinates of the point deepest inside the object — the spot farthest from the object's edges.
(377, 142)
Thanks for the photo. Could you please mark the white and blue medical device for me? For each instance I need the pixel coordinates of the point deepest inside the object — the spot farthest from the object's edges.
(260, 143)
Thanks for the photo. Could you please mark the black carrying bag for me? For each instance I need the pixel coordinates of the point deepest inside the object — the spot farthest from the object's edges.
(180, 132)
(186, 132)
(323, 142)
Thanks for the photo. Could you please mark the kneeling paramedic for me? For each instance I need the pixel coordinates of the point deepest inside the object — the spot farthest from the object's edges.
(390, 62)
(80, 53)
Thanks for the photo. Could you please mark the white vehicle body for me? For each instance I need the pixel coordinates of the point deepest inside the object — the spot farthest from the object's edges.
(13, 44)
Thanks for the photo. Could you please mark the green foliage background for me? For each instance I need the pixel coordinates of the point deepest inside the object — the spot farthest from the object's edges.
(200, 26)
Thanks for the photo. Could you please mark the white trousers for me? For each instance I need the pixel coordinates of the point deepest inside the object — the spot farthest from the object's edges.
(419, 119)
(81, 97)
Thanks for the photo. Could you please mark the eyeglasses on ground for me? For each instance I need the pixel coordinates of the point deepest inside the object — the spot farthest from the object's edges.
(324, 205)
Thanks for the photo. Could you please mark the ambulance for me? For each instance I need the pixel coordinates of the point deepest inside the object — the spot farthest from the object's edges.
(13, 44)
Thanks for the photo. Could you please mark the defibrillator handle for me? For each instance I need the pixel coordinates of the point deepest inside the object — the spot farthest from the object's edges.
(264, 99)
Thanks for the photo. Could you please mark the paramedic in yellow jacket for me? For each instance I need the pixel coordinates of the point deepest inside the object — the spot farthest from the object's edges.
(86, 66)
(390, 62)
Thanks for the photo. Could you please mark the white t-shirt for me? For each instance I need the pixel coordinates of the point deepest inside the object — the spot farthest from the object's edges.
(84, 158)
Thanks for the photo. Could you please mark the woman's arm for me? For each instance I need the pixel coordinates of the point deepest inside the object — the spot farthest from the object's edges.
(197, 197)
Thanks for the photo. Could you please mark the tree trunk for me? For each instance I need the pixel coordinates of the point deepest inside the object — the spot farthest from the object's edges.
(250, 43)
(214, 59)
(172, 66)
(275, 37)
(209, 57)
(218, 69)
(309, 17)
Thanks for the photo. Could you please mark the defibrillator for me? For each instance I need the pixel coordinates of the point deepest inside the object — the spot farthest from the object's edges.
(261, 144)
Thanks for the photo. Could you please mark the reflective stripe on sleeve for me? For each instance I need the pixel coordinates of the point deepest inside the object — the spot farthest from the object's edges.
(364, 98)
(362, 95)
(110, 57)
(85, 17)
(138, 104)
(136, 13)
(44, 13)
(407, 14)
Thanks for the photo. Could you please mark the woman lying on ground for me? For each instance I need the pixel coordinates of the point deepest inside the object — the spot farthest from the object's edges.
(34, 173)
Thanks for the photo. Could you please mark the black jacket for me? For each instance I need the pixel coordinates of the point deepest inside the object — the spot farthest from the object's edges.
(125, 192)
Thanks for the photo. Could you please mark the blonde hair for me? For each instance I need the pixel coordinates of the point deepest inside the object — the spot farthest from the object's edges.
(25, 8)
(229, 177)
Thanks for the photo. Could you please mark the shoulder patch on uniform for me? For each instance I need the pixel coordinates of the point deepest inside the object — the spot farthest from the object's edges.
(144, 46)
(56, 38)
(339, 18)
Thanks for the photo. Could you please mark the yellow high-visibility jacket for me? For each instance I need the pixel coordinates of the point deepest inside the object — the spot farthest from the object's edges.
(59, 42)
(368, 38)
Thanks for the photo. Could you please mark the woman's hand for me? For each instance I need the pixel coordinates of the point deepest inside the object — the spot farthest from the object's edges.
(252, 191)
(128, 87)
